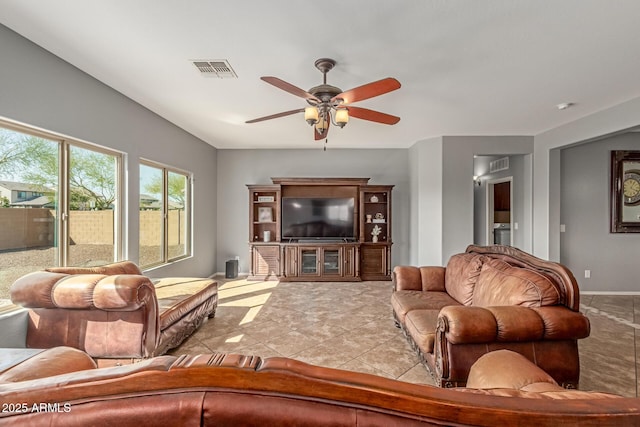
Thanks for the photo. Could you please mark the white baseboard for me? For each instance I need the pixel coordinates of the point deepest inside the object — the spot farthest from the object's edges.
(241, 274)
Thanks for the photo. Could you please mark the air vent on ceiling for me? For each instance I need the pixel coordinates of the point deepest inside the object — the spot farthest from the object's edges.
(219, 68)
(499, 165)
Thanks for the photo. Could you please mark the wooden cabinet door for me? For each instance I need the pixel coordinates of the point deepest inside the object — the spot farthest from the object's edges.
(349, 263)
(374, 262)
(309, 262)
(266, 261)
(332, 261)
(291, 261)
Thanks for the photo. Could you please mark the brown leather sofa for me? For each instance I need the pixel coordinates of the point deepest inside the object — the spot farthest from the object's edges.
(112, 312)
(490, 298)
(234, 390)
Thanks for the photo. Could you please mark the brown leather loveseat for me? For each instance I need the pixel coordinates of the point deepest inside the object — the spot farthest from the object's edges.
(490, 298)
(113, 311)
(232, 390)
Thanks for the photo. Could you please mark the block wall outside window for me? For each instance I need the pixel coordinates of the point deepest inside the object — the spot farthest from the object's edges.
(60, 218)
(165, 218)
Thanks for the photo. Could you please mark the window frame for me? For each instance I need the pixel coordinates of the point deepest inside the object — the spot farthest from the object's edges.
(188, 202)
(64, 151)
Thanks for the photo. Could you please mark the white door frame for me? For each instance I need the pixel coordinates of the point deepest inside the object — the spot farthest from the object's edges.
(489, 208)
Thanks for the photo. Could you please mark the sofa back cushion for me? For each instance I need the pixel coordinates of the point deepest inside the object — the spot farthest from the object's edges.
(500, 283)
(461, 276)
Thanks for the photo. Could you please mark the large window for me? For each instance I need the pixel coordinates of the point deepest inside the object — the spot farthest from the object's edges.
(58, 203)
(165, 219)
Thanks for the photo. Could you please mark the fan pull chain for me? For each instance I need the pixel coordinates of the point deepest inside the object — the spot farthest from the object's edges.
(325, 144)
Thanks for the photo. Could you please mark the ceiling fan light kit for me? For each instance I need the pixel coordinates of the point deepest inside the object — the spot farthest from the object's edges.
(342, 116)
(328, 104)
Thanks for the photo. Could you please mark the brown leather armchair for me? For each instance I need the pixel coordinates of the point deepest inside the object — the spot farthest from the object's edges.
(113, 311)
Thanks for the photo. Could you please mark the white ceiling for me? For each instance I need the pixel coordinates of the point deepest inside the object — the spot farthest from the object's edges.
(484, 67)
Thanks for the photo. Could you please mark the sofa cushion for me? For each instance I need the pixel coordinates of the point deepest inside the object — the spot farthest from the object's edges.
(403, 302)
(178, 296)
(421, 327)
(500, 283)
(461, 276)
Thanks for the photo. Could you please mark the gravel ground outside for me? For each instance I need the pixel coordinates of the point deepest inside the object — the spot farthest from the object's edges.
(15, 264)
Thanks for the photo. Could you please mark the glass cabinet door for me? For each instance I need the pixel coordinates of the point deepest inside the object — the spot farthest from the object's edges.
(331, 261)
(309, 259)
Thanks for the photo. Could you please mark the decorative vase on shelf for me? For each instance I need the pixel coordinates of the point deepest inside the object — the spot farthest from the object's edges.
(374, 233)
(374, 199)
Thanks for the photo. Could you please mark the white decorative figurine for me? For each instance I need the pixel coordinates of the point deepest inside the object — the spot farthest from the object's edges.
(375, 232)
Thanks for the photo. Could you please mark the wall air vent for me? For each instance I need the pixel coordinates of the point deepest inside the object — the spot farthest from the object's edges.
(499, 165)
(219, 68)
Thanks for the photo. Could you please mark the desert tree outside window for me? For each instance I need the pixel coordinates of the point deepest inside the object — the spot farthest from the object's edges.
(59, 202)
(165, 214)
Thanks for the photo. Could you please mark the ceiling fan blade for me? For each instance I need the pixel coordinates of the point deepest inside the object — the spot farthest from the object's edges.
(318, 136)
(372, 116)
(275, 116)
(288, 87)
(369, 90)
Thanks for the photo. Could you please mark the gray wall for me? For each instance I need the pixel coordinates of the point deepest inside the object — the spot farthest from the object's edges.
(237, 168)
(518, 172)
(426, 202)
(41, 90)
(546, 167)
(587, 243)
(442, 193)
(457, 200)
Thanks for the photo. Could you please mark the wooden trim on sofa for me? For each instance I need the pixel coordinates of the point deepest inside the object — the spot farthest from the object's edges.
(294, 381)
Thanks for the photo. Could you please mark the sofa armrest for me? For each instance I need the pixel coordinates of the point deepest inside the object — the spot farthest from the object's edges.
(507, 369)
(469, 324)
(409, 278)
(126, 292)
(53, 361)
(121, 267)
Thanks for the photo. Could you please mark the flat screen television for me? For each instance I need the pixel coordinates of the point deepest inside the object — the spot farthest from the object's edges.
(316, 218)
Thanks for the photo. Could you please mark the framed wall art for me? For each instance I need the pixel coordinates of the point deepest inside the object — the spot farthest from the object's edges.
(625, 191)
(265, 214)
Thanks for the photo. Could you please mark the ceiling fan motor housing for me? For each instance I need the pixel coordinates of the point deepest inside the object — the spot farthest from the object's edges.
(324, 93)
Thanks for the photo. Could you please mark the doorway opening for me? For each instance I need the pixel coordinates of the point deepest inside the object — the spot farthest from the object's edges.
(499, 212)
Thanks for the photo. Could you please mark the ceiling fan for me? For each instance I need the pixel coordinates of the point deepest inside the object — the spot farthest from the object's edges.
(330, 105)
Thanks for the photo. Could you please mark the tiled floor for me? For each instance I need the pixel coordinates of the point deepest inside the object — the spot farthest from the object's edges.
(349, 326)
(609, 356)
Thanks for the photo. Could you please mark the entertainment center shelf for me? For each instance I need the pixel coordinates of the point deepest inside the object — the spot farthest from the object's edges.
(331, 229)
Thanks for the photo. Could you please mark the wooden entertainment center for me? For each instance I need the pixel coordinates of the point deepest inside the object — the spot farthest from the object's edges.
(365, 254)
